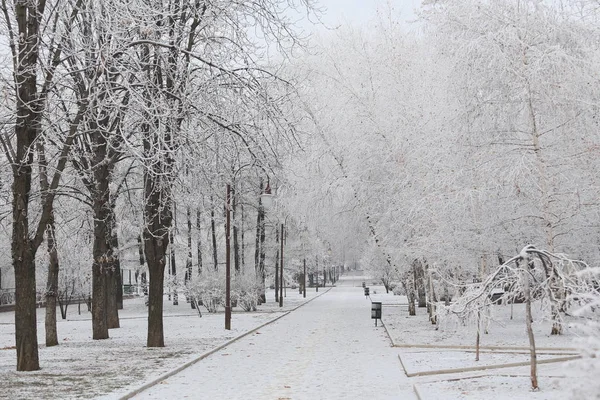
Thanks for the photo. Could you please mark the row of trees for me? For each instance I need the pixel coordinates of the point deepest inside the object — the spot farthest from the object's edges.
(443, 152)
(458, 145)
(120, 116)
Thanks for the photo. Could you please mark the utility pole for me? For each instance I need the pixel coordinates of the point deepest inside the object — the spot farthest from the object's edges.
(304, 275)
(281, 271)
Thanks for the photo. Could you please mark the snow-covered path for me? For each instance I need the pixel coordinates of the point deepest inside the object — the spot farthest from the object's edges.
(327, 349)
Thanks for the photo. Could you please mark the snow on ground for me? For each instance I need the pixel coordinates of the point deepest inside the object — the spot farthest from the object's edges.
(419, 345)
(502, 331)
(327, 349)
(83, 368)
(416, 362)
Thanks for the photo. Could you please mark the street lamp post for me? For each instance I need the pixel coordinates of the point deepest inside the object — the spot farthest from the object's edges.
(281, 270)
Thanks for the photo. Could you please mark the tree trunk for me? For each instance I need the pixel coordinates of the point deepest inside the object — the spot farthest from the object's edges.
(259, 250)
(419, 283)
(317, 273)
(100, 267)
(408, 288)
(143, 278)
(26, 133)
(155, 249)
(113, 276)
(199, 242)
(188, 262)
(51, 294)
(257, 241)
(117, 260)
(112, 289)
(432, 301)
(25, 310)
(262, 255)
(103, 276)
(528, 322)
(243, 245)
(158, 216)
(173, 267)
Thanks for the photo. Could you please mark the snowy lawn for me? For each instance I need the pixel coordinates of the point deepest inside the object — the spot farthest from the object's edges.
(428, 362)
(491, 387)
(423, 352)
(82, 368)
(502, 331)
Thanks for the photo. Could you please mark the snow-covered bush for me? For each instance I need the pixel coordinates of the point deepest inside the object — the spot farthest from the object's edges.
(246, 290)
(556, 281)
(209, 287)
(587, 385)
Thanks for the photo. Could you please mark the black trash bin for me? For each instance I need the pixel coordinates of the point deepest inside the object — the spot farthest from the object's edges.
(376, 311)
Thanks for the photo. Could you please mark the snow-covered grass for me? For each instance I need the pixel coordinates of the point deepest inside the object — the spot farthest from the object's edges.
(408, 330)
(83, 368)
(424, 347)
(490, 387)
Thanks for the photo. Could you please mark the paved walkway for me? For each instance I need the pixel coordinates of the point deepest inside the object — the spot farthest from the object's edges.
(327, 349)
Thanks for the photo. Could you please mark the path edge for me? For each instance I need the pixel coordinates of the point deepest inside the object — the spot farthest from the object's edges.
(188, 364)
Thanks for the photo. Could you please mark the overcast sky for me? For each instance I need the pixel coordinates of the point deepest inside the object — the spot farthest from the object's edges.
(359, 11)
(340, 12)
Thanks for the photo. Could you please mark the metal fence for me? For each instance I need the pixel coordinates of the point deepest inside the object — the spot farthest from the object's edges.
(7, 296)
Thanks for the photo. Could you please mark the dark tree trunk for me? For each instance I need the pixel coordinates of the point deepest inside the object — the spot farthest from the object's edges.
(100, 267)
(155, 249)
(173, 267)
(199, 242)
(51, 286)
(257, 241)
(158, 211)
(243, 246)
(262, 255)
(259, 251)
(120, 284)
(29, 104)
(418, 283)
(104, 304)
(25, 313)
(158, 216)
(117, 260)
(317, 272)
(188, 262)
(26, 132)
(143, 277)
(113, 274)
(53, 266)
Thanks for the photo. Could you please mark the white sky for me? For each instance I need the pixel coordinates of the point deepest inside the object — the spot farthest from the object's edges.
(360, 11)
(357, 12)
